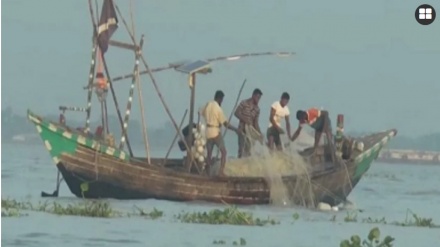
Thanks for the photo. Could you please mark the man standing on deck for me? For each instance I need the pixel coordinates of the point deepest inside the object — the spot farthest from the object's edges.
(278, 111)
(318, 120)
(248, 113)
(215, 118)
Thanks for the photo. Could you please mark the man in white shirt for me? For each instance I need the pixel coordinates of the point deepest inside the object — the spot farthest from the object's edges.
(278, 111)
(215, 118)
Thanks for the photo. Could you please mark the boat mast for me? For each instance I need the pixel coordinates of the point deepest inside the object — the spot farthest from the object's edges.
(192, 84)
(90, 85)
(95, 31)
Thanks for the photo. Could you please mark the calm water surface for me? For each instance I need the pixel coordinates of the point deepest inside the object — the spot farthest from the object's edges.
(387, 191)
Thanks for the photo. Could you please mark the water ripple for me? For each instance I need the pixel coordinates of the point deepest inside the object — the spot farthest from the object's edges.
(120, 241)
(433, 192)
(35, 235)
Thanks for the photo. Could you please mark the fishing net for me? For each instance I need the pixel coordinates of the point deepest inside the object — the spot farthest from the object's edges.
(273, 166)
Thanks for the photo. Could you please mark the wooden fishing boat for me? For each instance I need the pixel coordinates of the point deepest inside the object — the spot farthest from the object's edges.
(94, 167)
(94, 170)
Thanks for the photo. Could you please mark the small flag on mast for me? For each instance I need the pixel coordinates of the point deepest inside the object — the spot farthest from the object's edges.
(108, 23)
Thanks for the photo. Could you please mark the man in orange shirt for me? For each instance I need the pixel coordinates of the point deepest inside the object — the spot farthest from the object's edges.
(316, 119)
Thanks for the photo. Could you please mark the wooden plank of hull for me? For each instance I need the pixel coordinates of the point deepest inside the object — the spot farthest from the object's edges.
(162, 185)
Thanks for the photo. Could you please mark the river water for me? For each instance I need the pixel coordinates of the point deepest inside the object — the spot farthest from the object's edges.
(386, 191)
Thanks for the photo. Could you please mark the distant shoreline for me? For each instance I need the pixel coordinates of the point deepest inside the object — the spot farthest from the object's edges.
(409, 156)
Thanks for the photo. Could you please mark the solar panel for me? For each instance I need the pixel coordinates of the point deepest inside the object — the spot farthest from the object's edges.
(193, 67)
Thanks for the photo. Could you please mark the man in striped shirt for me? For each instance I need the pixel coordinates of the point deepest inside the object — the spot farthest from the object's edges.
(248, 113)
(318, 120)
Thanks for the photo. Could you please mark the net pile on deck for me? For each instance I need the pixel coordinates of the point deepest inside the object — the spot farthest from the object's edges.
(286, 162)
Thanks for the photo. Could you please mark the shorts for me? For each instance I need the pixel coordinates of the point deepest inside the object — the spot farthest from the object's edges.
(244, 145)
(217, 141)
(318, 125)
(275, 133)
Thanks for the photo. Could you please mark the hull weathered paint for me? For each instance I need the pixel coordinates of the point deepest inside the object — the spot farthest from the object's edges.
(94, 170)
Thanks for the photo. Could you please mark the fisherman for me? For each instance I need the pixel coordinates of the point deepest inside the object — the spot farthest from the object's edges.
(278, 111)
(185, 132)
(318, 120)
(101, 85)
(215, 118)
(248, 113)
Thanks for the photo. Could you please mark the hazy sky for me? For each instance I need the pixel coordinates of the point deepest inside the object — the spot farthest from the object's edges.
(369, 60)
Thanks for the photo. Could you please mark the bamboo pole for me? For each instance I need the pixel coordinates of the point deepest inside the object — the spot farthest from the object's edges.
(175, 138)
(152, 78)
(90, 84)
(235, 105)
(232, 112)
(103, 116)
(109, 80)
(139, 87)
(141, 103)
(215, 59)
(189, 161)
(130, 97)
(91, 80)
(132, 19)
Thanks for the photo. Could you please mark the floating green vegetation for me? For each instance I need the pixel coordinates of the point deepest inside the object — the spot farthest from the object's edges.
(241, 242)
(86, 208)
(230, 216)
(12, 212)
(373, 240)
(295, 216)
(370, 220)
(13, 204)
(219, 242)
(351, 217)
(152, 215)
(413, 219)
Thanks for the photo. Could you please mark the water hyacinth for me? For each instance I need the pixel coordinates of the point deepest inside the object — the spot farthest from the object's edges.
(87, 208)
(231, 216)
(373, 240)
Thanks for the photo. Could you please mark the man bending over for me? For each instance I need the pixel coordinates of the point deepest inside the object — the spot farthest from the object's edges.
(316, 119)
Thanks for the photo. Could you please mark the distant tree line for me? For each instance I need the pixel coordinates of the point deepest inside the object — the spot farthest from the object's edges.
(14, 124)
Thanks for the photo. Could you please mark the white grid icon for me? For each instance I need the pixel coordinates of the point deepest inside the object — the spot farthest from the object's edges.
(425, 13)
